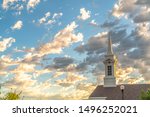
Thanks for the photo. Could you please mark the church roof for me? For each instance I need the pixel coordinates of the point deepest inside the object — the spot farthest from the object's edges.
(131, 92)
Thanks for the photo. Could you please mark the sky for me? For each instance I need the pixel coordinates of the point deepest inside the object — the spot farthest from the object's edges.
(54, 49)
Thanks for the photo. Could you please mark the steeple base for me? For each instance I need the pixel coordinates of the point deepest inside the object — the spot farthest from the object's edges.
(109, 82)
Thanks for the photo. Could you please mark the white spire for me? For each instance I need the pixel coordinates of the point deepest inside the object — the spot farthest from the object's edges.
(109, 51)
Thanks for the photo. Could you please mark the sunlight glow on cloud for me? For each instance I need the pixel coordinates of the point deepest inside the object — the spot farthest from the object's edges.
(62, 39)
(71, 79)
(32, 3)
(6, 43)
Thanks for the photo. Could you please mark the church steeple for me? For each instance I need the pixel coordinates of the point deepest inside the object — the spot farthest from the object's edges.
(110, 66)
(109, 50)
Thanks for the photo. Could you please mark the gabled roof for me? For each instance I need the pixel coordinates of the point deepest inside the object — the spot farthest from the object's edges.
(131, 92)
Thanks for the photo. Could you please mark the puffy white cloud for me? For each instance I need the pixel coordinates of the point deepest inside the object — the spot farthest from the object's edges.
(84, 14)
(6, 43)
(32, 3)
(18, 25)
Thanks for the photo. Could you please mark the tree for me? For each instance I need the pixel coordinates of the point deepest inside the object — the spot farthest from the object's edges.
(12, 95)
(145, 95)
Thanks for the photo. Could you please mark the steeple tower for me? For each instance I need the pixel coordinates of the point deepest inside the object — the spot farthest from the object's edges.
(110, 66)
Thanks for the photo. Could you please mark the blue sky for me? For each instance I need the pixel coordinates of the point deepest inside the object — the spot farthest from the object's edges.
(53, 49)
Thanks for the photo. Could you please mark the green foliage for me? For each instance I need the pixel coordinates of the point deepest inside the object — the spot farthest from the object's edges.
(145, 95)
(12, 95)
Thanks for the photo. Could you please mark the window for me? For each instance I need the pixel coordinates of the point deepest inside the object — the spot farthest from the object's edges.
(109, 68)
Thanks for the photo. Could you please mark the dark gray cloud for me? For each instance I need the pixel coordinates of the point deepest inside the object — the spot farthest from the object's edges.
(83, 66)
(110, 24)
(60, 62)
(96, 49)
(98, 44)
(143, 17)
(94, 45)
(143, 2)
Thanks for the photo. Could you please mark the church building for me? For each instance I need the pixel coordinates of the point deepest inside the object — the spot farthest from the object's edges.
(112, 91)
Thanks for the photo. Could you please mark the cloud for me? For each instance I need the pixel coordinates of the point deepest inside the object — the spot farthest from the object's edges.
(24, 68)
(94, 44)
(44, 19)
(6, 60)
(84, 14)
(81, 91)
(144, 16)
(32, 4)
(110, 24)
(6, 64)
(129, 75)
(6, 3)
(93, 23)
(57, 74)
(57, 15)
(76, 95)
(47, 20)
(31, 88)
(83, 66)
(125, 8)
(6, 43)
(143, 2)
(132, 50)
(21, 81)
(61, 62)
(62, 39)
(135, 10)
(71, 79)
(16, 5)
(18, 25)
